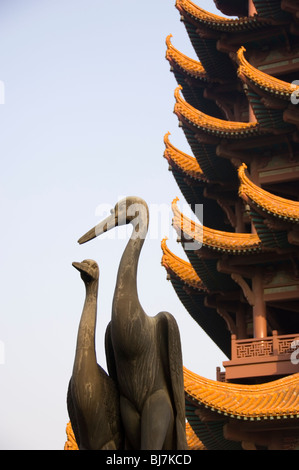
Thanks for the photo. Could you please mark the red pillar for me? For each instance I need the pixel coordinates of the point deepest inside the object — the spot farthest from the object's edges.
(259, 308)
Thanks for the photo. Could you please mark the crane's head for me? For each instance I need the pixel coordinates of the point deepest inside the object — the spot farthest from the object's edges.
(88, 269)
(130, 210)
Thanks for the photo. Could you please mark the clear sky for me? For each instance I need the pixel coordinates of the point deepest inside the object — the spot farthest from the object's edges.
(88, 99)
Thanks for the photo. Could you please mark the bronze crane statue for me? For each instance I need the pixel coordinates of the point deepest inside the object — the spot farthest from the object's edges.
(143, 352)
(93, 398)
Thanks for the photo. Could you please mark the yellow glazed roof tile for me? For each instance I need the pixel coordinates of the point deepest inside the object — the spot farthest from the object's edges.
(181, 268)
(183, 161)
(192, 440)
(71, 443)
(277, 206)
(276, 87)
(217, 22)
(218, 127)
(189, 66)
(230, 242)
(277, 399)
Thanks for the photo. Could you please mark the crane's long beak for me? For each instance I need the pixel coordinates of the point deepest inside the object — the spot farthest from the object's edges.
(106, 224)
(77, 265)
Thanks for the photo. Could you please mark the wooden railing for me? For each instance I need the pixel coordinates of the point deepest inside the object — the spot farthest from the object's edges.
(256, 357)
(262, 347)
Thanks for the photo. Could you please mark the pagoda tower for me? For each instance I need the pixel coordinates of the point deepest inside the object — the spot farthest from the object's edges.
(238, 107)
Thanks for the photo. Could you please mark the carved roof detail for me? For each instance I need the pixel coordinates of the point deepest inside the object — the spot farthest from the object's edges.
(220, 23)
(276, 205)
(230, 242)
(180, 267)
(275, 86)
(208, 124)
(187, 164)
(190, 66)
(277, 399)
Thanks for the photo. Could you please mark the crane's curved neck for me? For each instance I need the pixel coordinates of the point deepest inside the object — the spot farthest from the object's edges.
(126, 284)
(85, 349)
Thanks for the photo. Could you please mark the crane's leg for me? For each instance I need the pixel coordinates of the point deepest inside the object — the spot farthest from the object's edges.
(131, 422)
(157, 422)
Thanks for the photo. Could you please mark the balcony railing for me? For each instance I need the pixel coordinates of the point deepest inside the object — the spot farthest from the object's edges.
(270, 346)
(262, 356)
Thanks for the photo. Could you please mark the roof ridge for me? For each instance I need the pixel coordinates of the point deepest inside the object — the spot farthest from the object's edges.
(215, 239)
(185, 162)
(190, 66)
(183, 269)
(211, 19)
(277, 205)
(279, 87)
(211, 124)
(271, 399)
(250, 388)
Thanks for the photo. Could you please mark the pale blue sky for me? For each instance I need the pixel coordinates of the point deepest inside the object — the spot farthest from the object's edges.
(88, 99)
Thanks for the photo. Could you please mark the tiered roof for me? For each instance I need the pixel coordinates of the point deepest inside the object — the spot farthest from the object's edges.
(266, 83)
(214, 34)
(220, 23)
(274, 400)
(276, 206)
(214, 168)
(270, 97)
(212, 406)
(187, 173)
(275, 218)
(209, 104)
(182, 161)
(181, 268)
(193, 181)
(225, 242)
(191, 291)
(202, 122)
(188, 66)
(222, 140)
